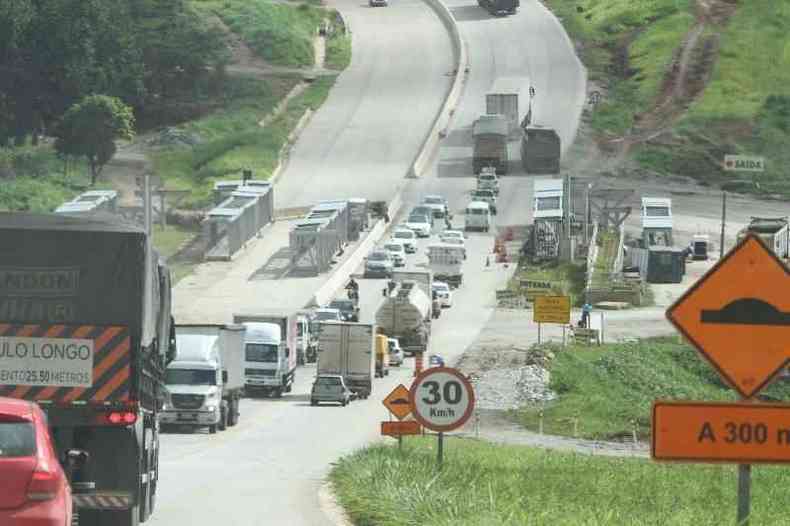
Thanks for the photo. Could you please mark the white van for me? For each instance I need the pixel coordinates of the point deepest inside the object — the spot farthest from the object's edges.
(478, 216)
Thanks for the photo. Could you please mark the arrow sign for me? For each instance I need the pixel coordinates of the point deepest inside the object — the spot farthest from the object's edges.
(738, 316)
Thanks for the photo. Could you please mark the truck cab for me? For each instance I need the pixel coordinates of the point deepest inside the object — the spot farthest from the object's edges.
(657, 221)
(269, 361)
(204, 387)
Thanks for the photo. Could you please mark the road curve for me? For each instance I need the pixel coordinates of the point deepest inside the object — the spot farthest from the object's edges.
(362, 141)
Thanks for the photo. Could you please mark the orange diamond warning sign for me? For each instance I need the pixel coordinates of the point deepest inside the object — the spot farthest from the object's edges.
(398, 402)
(738, 316)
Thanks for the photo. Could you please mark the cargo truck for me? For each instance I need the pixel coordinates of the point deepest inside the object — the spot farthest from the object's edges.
(774, 231)
(269, 352)
(405, 314)
(446, 263)
(507, 97)
(347, 349)
(490, 137)
(540, 150)
(87, 334)
(206, 379)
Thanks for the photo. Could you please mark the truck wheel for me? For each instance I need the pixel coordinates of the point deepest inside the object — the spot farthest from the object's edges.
(212, 429)
(223, 417)
(277, 393)
(313, 402)
(234, 413)
(344, 403)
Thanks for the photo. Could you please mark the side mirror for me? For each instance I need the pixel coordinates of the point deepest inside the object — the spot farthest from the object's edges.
(75, 458)
(224, 377)
(287, 352)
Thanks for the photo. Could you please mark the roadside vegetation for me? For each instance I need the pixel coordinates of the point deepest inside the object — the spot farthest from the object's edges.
(732, 94)
(609, 390)
(279, 33)
(233, 138)
(608, 241)
(483, 484)
(338, 50)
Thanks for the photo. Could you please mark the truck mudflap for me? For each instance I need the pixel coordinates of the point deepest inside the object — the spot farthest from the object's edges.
(94, 364)
(109, 500)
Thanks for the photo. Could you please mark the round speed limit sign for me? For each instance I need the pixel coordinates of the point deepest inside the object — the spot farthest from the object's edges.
(442, 399)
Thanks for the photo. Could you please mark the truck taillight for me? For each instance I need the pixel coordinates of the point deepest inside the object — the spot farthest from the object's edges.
(122, 418)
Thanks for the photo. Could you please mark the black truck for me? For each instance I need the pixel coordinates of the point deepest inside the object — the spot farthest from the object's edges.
(500, 7)
(540, 150)
(86, 331)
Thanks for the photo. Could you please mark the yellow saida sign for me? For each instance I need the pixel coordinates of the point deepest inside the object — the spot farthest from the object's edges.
(552, 309)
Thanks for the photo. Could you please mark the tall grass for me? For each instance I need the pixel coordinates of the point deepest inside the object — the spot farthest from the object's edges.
(486, 485)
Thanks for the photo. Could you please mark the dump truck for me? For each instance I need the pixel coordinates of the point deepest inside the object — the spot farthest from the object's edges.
(540, 150)
(87, 334)
(206, 379)
(509, 96)
(270, 352)
(405, 314)
(347, 349)
(490, 137)
(773, 231)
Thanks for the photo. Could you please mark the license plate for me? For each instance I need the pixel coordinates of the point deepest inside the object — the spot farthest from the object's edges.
(188, 416)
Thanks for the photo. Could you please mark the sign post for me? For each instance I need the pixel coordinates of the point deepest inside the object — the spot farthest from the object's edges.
(398, 404)
(738, 317)
(552, 309)
(442, 399)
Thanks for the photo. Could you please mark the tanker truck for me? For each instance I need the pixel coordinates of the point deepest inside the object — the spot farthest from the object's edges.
(405, 314)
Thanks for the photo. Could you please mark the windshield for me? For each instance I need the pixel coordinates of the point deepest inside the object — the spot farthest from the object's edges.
(260, 352)
(394, 248)
(191, 377)
(452, 240)
(342, 305)
(417, 219)
(548, 203)
(325, 316)
(477, 211)
(378, 256)
(404, 235)
(433, 200)
(300, 328)
(17, 439)
(328, 381)
(657, 211)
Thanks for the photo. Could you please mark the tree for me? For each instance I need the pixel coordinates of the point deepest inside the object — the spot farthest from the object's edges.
(90, 129)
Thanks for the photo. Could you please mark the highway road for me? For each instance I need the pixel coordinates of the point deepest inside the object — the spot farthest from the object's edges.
(268, 470)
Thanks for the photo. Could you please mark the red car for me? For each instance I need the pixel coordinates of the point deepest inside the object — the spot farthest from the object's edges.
(34, 490)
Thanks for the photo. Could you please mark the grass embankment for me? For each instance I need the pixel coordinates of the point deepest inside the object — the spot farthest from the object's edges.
(485, 484)
(233, 138)
(33, 179)
(279, 33)
(608, 387)
(568, 278)
(745, 108)
(627, 46)
(338, 51)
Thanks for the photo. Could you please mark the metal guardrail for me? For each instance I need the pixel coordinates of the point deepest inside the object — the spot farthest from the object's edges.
(617, 265)
(592, 253)
(238, 219)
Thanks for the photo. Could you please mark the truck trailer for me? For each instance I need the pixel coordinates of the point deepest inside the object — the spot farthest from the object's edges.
(206, 379)
(540, 150)
(509, 96)
(87, 333)
(490, 136)
(270, 352)
(405, 314)
(347, 349)
(774, 231)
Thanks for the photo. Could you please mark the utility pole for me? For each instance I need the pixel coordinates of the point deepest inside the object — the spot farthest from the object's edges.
(147, 203)
(587, 214)
(723, 220)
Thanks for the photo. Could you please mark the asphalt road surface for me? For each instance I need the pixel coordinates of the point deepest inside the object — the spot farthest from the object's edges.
(268, 469)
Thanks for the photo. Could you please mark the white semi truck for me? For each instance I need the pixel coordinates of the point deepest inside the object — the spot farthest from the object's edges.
(657, 221)
(347, 349)
(206, 379)
(270, 352)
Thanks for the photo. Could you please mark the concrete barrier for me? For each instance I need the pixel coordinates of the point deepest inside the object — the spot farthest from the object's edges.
(443, 118)
(340, 275)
